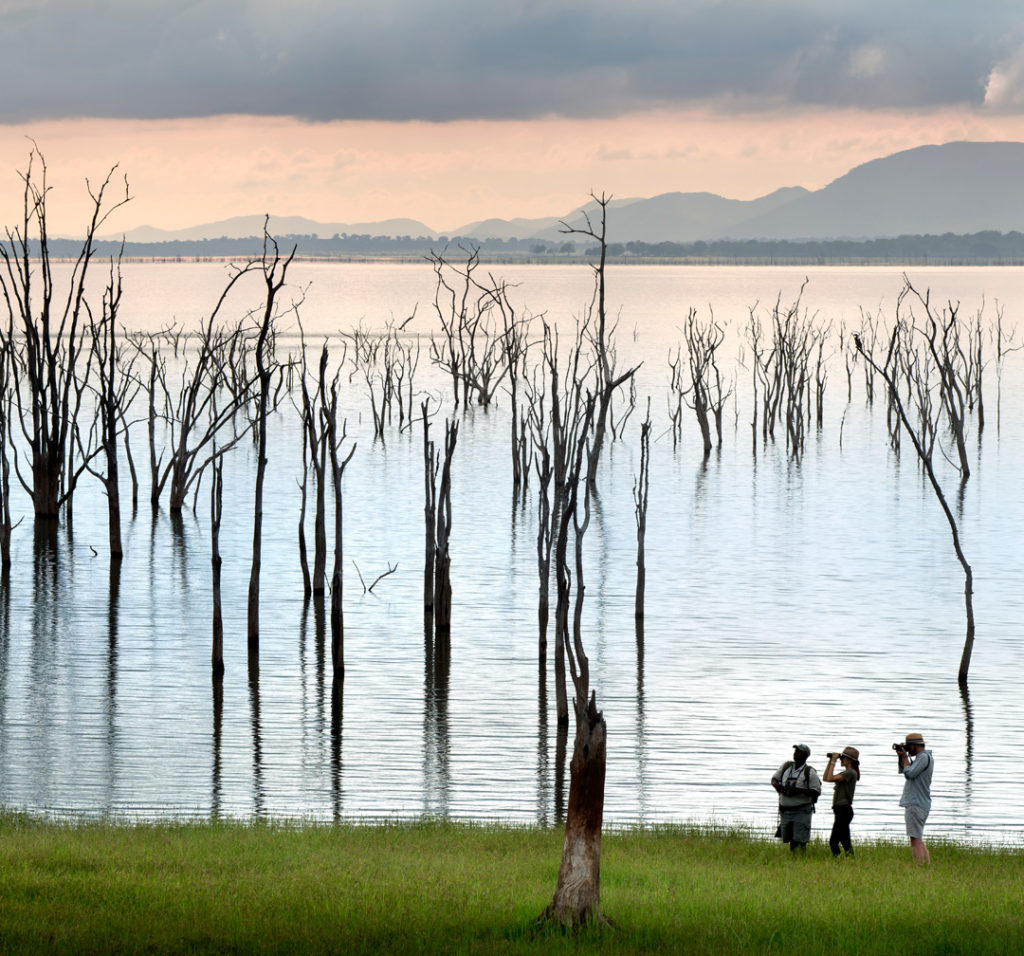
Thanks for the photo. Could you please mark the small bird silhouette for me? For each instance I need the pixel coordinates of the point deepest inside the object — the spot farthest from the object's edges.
(857, 342)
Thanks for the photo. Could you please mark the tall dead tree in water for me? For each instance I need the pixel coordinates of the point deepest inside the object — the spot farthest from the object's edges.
(115, 391)
(46, 374)
(703, 337)
(577, 896)
(903, 355)
(942, 334)
(314, 429)
(275, 270)
(471, 346)
(216, 512)
(601, 333)
(442, 557)
(641, 489)
(6, 407)
(197, 409)
(336, 437)
(430, 466)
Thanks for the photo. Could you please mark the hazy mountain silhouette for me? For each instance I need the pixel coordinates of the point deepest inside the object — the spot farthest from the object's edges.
(241, 227)
(956, 188)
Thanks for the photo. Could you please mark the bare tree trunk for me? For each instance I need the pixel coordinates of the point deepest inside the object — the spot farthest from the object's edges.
(442, 569)
(640, 495)
(430, 466)
(577, 899)
(216, 510)
(274, 273)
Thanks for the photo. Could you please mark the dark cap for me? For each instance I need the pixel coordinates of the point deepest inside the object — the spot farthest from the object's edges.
(803, 747)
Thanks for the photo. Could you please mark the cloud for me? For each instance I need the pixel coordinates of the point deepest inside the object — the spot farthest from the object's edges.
(1004, 88)
(443, 60)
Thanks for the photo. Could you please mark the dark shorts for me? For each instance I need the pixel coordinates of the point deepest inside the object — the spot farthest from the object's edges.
(795, 826)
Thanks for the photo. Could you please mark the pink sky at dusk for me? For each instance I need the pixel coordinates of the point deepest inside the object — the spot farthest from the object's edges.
(188, 171)
(449, 111)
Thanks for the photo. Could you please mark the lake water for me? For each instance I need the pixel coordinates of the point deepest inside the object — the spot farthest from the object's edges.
(816, 600)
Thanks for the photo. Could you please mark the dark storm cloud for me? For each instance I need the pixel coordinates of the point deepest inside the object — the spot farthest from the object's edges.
(455, 59)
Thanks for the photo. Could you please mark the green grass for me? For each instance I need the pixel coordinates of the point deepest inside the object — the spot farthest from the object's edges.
(433, 887)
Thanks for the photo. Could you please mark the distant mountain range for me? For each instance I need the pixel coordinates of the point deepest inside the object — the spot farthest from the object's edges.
(952, 188)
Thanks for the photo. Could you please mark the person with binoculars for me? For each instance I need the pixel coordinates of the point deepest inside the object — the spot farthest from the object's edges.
(842, 798)
(916, 764)
(798, 786)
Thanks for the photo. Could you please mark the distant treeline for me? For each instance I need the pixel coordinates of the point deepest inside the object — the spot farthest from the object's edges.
(981, 248)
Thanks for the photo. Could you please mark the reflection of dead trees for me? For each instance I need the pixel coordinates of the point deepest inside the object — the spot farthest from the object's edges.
(905, 359)
(45, 371)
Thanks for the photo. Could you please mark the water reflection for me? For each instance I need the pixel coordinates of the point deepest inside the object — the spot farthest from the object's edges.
(257, 736)
(641, 723)
(216, 795)
(436, 749)
(544, 790)
(337, 715)
(965, 700)
(110, 700)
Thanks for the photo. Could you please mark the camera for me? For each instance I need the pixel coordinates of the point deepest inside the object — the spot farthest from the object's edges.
(899, 747)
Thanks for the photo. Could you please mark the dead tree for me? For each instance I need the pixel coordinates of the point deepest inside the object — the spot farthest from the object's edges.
(115, 392)
(275, 270)
(471, 346)
(442, 557)
(901, 351)
(702, 341)
(203, 404)
(601, 333)
(540, 428)
(336, 437)
(641, 488)
(216, 512)
(315, 454)
(430, 466)
(6, 408)
(942, 333)
(577, 896)
(46, 374)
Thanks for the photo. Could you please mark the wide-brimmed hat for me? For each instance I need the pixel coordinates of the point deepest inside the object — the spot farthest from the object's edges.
(851, 753)
(914, 739)
(803, 747)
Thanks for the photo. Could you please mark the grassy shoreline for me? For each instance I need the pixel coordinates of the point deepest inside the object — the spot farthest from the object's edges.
(457, 888)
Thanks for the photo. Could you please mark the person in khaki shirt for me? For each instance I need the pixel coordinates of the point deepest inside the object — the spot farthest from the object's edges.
(845, 780)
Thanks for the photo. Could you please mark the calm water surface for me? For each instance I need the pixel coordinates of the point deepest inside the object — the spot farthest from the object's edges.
(815, 601)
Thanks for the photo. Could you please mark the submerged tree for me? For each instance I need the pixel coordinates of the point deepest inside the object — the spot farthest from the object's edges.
(46, 371)
(902, 361)
(275, 270)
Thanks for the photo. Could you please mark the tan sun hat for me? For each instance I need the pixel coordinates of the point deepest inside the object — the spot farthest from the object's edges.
(914, 739)
(852, 753)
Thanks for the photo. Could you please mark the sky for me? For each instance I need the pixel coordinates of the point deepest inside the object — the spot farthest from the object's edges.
(451, 111)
